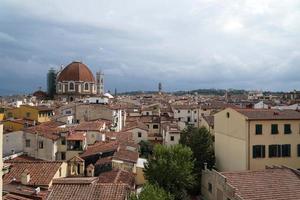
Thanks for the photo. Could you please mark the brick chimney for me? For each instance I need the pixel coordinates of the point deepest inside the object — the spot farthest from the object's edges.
(25, 177)
(90, 170)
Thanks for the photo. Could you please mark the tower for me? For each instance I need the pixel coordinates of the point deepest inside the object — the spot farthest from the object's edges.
(159, 87)
(100, 83)
(51, 83)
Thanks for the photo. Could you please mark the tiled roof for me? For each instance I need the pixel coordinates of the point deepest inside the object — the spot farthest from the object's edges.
(126, 155)
(41, 173)
(209, 119)
(23, 158)
(76, 71)
(14, 197)
(136, 124)
(274, 183)
(76, 136)
(100, 147)
(94, 191)
(48, 130)
(90, 125)
(269, 114)
(104, 160)
(117, 176)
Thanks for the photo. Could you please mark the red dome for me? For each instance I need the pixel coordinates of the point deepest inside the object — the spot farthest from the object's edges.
(76, 71)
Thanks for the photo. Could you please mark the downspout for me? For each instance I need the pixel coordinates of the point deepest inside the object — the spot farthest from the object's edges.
(248, 160)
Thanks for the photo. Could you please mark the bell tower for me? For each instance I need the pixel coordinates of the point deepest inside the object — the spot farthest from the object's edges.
(100, 83)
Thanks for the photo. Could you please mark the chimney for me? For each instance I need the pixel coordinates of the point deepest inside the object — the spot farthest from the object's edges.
(103, 137)
(205, 166)
(25, 177)
(90, 170)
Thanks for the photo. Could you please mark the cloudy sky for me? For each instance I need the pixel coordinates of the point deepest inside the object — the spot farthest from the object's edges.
(190, 44)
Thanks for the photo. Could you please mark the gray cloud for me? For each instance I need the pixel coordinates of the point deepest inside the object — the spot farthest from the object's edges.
(190, 44)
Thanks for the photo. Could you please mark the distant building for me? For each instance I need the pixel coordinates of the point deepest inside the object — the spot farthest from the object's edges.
(51, 83)
(76, 81)
(1, 160)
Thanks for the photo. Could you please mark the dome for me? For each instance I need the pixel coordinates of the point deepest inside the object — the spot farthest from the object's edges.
(76, 71)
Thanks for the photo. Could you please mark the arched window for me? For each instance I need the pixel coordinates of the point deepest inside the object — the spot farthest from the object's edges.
(71, 86)
(86, 86)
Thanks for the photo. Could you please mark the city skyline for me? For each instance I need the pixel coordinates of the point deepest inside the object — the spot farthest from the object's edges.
(186, 45)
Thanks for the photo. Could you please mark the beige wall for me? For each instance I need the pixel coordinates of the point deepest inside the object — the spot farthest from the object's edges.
(135, 137)
(46, 153)
(230, 141)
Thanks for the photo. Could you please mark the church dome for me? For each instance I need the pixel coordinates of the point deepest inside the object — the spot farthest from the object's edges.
(76, 71)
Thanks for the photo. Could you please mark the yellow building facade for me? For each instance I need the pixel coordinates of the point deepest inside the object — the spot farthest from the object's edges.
(249, 139)
(35, 113)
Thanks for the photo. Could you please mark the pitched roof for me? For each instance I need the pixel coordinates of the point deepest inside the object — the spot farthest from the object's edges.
(117, 176)
(269, 114)
(126, 155)
(100, 147)
(94, 191)
(274, 183)
(41, 173)
(90, 125)
(209, 119)
(136, 124)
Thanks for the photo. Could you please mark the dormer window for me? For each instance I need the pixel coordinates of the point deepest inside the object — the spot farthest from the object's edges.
(86, 86)
(71, 86)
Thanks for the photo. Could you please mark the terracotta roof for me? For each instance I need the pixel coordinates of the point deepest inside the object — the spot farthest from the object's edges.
(126, 155)
(136, 124)
(76, 71)
(275, 183)
(104, 160)
(76, 136)
(209, 119)
(185, 106)
(269, 114)
(49, 130)
(41, 173)
(100, 147)
(117, 176)
(94, 191)
(90, 125)
(75, 180)
(14, 197)
(23, 158)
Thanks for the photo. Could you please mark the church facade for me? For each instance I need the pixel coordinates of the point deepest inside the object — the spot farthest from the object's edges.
(76, 81)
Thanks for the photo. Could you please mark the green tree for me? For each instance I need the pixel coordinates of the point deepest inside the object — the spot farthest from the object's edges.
(152, 192)
(200, 141)
(146, 148)
(171, 168)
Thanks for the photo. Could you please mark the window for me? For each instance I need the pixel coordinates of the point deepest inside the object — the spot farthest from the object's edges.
(27, 143)
(210, 187)
(189, 111)
(172, 138)
(63, 155)
(86, 86)
(63, 141)
(195, 120)
(274, 150)
(179, 119)
(258, 129)
(28, 114)
(71, 86)
(286, 150)
(139, 134)
(287, 129)
(298, 150)
(155, 126)
(228, 114)
(274, 129)
(195, 111)
(258, 151)
(41, 144)
(188, 119)
(178, 111)
(147, 113)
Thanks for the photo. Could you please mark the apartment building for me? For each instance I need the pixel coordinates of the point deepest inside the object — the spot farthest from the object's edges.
(250, 139)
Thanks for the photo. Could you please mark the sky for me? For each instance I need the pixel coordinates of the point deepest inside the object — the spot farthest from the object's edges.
(185, 45)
